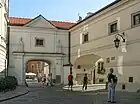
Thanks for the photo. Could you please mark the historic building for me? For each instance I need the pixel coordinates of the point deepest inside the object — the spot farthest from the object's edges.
(38, 39)
(4, 13)
(109, 38)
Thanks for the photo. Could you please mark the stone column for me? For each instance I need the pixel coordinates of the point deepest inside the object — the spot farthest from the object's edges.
(19, 71)
(53, 71)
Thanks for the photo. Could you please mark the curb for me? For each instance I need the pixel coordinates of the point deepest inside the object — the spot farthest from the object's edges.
(9, 98)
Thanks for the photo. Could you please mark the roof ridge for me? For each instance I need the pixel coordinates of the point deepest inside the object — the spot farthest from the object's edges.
(48, 20)
(61, 21)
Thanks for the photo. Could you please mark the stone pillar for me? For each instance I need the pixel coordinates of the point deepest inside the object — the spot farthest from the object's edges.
(62, 71)
(19, 71)
(53, 71)
(59, 71)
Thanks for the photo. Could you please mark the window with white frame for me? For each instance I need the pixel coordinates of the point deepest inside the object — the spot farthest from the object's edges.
(136, 19)
(39, 42)
(101, 69)
(85, 37)
(113, 27)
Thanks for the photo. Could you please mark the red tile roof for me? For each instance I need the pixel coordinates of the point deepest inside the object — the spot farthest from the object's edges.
(23, 21)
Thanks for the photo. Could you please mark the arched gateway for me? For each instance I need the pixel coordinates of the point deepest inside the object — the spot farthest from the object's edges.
(22, 60)
(38, 39)
(93, 66)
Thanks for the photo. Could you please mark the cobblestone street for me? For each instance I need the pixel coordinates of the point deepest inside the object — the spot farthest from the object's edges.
(56, 95)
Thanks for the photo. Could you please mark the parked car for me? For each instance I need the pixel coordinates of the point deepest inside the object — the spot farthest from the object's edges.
(30, 75)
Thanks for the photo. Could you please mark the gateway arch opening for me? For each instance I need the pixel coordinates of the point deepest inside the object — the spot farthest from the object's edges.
(93, 66)
(37, 71)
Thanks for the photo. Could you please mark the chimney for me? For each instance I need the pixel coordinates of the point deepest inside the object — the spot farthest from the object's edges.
(79, 19)
(89, 13)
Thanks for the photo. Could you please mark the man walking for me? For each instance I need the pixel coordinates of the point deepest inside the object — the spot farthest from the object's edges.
(85, 82)
(112, 81)
(70, 81)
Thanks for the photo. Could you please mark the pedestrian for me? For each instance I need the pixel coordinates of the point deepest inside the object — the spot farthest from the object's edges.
(70, 81)
(85, 82)
(48, 80)
(44, 80)
(112, 82)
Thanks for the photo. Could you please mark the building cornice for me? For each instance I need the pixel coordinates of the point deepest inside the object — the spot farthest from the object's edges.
(38, 54)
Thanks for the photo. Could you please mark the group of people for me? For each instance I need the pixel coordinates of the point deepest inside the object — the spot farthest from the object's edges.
(112, 82)
(46, 81)
(70, 82)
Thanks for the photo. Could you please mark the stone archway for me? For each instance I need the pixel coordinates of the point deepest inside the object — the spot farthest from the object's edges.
(42, 60)
(89, 64)
(36, 69)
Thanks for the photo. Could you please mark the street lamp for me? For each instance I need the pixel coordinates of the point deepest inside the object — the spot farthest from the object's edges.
(117, 41)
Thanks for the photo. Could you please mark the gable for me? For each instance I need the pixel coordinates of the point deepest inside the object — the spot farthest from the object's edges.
(40, 21)
(16, 21)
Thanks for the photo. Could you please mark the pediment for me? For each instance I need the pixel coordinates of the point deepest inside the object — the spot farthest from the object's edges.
(40, 21)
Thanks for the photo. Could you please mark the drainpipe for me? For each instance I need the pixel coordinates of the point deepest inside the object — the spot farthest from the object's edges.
(8, 40)
(69, 52)
(8, 48)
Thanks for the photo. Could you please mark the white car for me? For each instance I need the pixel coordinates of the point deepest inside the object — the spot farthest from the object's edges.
(30, 75)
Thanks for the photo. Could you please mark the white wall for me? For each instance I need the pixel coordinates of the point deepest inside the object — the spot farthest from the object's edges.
(3, 33)
(101, 43)
(48, 52)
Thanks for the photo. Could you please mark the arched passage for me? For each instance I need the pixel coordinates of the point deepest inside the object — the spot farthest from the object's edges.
(37, 69)
(91, 64)
(86, 61)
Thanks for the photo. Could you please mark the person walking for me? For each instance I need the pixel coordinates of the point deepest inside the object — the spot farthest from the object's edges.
(70, 81)
(44, 80)
(85, 82)
(112, 82)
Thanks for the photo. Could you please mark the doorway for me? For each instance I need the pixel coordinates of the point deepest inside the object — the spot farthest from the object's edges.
(36, 70)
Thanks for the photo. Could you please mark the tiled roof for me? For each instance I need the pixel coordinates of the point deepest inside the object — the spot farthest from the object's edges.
(23, 21)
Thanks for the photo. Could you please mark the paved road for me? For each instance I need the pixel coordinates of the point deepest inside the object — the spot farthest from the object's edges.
(56, 95)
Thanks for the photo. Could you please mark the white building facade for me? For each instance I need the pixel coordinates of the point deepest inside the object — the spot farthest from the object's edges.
(4, 11)
(92, 44)
(38, 39)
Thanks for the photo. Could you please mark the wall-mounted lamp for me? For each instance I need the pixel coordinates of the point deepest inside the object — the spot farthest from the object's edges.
(117, 41)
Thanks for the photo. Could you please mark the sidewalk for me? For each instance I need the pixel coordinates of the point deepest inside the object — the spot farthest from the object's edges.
(19, 91)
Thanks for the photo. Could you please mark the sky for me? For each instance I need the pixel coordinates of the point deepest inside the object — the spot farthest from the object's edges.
(61, 10)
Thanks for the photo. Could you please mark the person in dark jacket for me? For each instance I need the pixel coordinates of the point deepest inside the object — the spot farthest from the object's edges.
(112, 81)
(85, 82)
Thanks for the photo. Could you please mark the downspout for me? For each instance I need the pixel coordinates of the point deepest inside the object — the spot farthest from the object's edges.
(69, 52)
(8, 47)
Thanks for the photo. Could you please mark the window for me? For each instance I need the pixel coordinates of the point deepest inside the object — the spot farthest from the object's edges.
(85, 37)
(101, 80)
(39, 42)
(112, 58)
(32, 66)
(136, 19)
(130, 79)
(101, 69)
(108, 60)
(113, 27)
